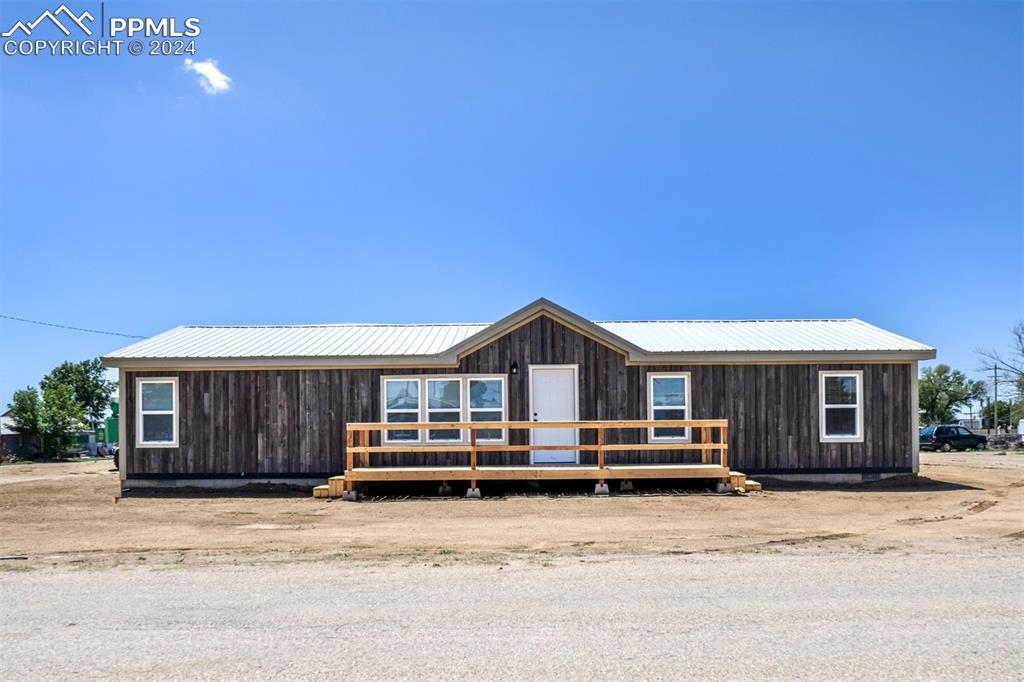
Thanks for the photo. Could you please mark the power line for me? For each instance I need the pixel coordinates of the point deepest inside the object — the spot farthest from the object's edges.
(77, 329)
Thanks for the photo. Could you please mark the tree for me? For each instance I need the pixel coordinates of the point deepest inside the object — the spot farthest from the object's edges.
(1009, 412)
(25, 410)
(91, 389)
(60, 416)
(942, 390)
(1012, 364)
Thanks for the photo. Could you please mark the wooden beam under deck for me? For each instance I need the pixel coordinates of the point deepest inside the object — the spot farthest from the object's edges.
(536, 473)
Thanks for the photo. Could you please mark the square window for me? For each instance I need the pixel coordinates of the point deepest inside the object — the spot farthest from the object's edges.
(403, 395)
(486, 393)
(840, 421)
(158, 428)
(157, 396)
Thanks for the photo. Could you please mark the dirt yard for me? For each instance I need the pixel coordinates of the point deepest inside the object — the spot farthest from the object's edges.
(68, 515)
(903, 580)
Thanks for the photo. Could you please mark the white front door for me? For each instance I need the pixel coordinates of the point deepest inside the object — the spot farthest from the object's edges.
(553, 399)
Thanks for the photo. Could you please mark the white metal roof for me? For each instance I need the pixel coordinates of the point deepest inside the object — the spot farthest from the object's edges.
(745, 336)
(345, 341)
(307, 341)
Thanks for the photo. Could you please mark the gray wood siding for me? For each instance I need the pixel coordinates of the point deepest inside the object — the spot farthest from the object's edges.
(291, 422)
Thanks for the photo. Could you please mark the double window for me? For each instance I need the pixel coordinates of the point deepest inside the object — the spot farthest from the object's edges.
(445, 399)
(841, 406)
(157, 412)
(668, 399)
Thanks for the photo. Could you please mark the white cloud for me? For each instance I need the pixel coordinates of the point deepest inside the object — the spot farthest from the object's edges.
(211, 79)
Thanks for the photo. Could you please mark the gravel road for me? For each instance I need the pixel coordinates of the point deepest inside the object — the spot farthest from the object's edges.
(806, 613)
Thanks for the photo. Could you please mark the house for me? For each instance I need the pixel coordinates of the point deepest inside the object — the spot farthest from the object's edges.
(567, 397)
(18, 443)
(12, 440)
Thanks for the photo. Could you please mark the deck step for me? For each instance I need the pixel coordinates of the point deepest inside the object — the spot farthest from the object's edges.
(737, 480)
(753, 486)
(335, 486)
(321, 491)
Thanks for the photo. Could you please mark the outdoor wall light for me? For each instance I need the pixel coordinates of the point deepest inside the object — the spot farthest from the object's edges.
(515, 368)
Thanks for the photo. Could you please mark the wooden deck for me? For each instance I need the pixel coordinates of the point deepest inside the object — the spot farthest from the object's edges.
(712, 446)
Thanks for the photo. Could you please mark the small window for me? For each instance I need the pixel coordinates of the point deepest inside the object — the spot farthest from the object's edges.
(402, 404)
(158, 412)
(487, 404)
(668, 398)
(841, 413)
(444, 404)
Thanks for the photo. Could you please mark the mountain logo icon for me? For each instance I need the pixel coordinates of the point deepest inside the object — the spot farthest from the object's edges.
(78, 20)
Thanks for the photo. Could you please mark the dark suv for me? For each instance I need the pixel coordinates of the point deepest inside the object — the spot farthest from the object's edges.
(948, 437)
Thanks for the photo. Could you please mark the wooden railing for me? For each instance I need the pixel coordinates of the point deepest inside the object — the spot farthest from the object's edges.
(714, 438)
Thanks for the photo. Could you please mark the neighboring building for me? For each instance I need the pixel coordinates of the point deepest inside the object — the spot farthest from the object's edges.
(13, 441)
(85, 441)
(803, 398)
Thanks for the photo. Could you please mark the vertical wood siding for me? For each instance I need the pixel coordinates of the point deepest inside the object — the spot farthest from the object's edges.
(291, 422)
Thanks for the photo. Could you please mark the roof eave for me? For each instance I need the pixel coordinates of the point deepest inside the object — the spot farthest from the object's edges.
(305, 362)
(447, 361)
(776, 356)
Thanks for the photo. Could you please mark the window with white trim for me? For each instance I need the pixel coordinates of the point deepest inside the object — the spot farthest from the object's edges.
(402, 404)
(841, 402)
(487, 404)
(158, 412)
(443, 398)
(444, 404)
(668, 398)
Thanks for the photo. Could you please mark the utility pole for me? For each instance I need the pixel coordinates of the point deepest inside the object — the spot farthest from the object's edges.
(995, 401)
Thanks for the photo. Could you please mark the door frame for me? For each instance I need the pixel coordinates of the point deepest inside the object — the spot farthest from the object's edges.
(575, 408)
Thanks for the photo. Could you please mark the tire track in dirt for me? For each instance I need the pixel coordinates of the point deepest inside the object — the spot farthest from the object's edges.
(976, 508)
(803, 540)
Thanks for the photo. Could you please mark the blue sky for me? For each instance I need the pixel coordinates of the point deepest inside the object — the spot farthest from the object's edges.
(451, 162)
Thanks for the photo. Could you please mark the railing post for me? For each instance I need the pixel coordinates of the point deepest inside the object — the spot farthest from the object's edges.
(600, 451)
(472, 454)
(472, 451)
(725, 446)
(348, 450)
(365, 440)
(705, 440)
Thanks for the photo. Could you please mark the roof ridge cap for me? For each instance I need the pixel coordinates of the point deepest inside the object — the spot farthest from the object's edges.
(333, 324)
(763, 319)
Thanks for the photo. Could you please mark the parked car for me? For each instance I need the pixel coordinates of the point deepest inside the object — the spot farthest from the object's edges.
(948, 437)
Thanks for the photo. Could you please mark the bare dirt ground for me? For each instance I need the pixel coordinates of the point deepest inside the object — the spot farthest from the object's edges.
(898, 580)
(67, 515)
